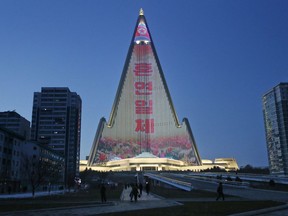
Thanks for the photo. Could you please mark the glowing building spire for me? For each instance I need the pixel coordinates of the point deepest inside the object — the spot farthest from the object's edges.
(143, 117)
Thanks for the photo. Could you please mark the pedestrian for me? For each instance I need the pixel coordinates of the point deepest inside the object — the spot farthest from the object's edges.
(103, 193)
(49, 187)
(140, 188)
(220, 192)
(134, 193)
(147, 187)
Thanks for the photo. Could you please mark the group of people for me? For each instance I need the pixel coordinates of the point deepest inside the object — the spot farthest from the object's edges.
(137, 189)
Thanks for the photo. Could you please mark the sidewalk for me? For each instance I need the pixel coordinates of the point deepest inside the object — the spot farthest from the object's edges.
(124, 204)
(126, 196)
(29, 194)
(144, 202)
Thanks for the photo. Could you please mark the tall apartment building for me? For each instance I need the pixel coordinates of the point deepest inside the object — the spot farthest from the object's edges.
(56, 122)
(15, 122)
(275, 110)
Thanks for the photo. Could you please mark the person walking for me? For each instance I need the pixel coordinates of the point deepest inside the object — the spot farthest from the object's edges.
(134, 193)
(140, 189)
(220, 192)
(147, 187)
(103, 193)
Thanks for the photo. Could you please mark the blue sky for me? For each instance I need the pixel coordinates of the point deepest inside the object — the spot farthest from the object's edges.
(218, 57)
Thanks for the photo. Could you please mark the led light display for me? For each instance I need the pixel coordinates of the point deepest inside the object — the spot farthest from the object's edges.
(143, 118)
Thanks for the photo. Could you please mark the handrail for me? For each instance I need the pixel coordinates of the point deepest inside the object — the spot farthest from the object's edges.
(173, 182)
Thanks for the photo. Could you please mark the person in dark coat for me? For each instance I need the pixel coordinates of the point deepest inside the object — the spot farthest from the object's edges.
(220, 192)
(140, 188)
(134, 193)
(147, 187)
(103, 193)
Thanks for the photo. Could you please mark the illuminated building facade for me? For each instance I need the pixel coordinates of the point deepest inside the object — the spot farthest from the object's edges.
(275, 110)
(143, 117)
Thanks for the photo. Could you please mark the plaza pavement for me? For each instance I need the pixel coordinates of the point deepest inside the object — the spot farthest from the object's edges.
(96, 208)
(144, 202)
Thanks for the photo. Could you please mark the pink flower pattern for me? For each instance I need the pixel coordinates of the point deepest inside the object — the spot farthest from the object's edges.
(176, 147)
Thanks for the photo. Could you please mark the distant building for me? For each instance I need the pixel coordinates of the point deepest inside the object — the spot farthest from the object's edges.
(15, 122)
(21, 160)
(230, 164)
(56, 123)
(148, 162)
(275, 110)
(41, 164)
(10, 160)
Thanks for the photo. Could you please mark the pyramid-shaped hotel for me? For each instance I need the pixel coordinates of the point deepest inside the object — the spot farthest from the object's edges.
(143, 131)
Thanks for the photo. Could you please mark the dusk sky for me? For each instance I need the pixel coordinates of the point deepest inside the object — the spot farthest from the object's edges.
(218, 58)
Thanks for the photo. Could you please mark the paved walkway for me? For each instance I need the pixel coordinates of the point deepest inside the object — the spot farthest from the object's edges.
(126, 196)
(144, 202)
(110, 207)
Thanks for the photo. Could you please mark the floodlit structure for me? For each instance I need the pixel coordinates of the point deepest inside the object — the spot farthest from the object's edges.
(143, 131)
(229, 164)
(146, 161)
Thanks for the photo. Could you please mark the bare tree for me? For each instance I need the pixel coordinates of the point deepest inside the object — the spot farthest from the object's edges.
(41, 171)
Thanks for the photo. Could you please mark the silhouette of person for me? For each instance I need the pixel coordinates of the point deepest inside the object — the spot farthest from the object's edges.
(134, 193)
(147, 187)
(103, 193)
(140, 188)
(220, 192)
